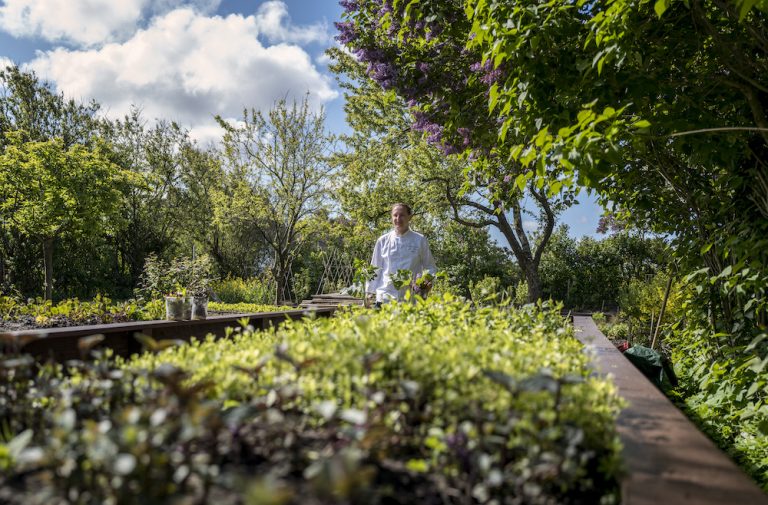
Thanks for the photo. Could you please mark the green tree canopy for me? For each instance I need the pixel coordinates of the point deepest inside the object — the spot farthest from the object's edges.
(279, 177)
(49, 191)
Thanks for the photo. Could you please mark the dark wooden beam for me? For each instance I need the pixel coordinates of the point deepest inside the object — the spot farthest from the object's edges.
(668, 460)
(60, 344)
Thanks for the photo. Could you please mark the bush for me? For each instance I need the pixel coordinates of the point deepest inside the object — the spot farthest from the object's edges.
(488, 291)
(618, 331)
(429, 402)
(251, 290)
(71, 312)
(182, 274)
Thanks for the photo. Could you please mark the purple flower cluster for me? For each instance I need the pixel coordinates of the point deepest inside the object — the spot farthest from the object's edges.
(490, 74)
(349, 5)
(347, 32)
(386, 7)
(465, 136)
(434, 131)
(384, 73)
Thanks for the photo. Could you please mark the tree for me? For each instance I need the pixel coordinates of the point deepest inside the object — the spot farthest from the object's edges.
(641, 101)
(29, 105)
(32, 106)
(49, 191)
(279, 177)
(390, 160)
(660, 106)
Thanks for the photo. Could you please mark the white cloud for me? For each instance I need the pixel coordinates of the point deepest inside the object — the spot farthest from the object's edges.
(274, 23)
(6, 62)
(187, 67)
(530, 225)
(84, 22)
(87, 23)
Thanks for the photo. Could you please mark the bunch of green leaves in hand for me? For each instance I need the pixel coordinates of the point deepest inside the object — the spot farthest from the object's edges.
(402, 278)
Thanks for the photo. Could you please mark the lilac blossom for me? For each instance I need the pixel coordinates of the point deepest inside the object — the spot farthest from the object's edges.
(448, 149)
(464, 132)
(382, 73)
(349, 5)
(347, 32)
(369, 55)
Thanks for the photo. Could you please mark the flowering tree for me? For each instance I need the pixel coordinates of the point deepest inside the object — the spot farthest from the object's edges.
(391, 160)
(659, 105)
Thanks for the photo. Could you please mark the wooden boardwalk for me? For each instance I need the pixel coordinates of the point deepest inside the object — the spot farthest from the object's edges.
(668, 460)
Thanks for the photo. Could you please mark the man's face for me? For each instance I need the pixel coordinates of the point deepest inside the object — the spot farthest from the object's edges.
(400, 219)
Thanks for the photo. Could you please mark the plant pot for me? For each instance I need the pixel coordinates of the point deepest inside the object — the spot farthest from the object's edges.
(178, 308)
(199, 307)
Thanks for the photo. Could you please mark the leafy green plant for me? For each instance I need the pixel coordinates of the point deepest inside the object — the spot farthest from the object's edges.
(364, 273)
(488, 291)
(618, 331)
(182, 275)
(415, 402)
(250, 290)
(402, 278)
(69, 312)
(246, 307)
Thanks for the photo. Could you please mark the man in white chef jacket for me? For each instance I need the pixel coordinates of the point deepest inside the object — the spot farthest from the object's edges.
(401, 248)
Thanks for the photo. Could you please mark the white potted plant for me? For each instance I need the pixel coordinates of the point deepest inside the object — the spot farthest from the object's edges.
(178, 305)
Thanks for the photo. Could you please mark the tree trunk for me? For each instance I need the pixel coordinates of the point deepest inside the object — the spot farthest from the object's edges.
(281, 271)
(48, 265)
(534, 281)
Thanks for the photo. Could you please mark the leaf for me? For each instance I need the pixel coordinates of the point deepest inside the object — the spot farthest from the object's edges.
(354, 416)
(642, 124)
(417, 465)
(746, 6)
(759, 365)
(756, 341)
(520, 182)
(493, 97)
(326, 408)
(19, 443)
(660, 7)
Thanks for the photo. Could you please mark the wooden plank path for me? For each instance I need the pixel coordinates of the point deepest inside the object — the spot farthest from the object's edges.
(668, 460)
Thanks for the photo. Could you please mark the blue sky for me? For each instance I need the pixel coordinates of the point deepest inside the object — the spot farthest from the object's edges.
(188, 60)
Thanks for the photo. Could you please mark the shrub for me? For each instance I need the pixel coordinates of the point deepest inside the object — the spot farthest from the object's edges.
(431, 402)
(618, 331)
(160, 278)
(488, 291)
(251, 290)
(72, 311)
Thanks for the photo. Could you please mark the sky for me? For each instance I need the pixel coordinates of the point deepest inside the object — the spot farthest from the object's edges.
(189, 60)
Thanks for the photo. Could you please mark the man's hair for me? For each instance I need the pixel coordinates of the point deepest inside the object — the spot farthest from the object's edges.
(403, 205)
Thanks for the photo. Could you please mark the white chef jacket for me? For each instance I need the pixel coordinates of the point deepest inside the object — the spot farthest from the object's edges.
(395, 252)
